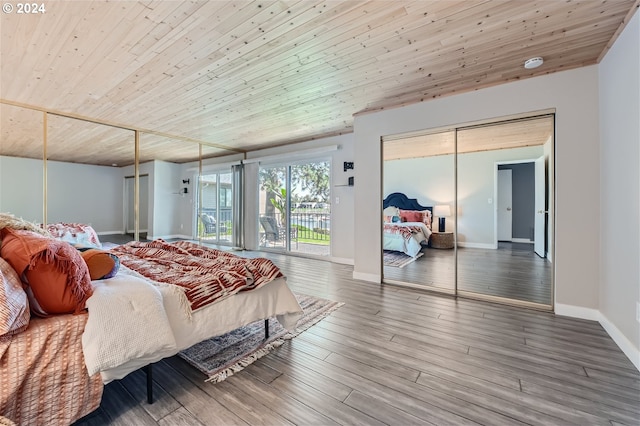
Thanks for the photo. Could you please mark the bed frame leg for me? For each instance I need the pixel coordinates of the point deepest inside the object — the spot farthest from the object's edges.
(149, 371)
(266, 329)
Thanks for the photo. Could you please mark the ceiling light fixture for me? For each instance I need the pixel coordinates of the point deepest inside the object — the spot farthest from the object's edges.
(533, 63)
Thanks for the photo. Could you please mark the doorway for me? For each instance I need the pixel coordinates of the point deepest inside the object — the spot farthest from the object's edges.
(295, 207)
(215, 215)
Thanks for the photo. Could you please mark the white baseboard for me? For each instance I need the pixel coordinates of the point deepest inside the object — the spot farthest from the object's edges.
(521, 240)
(343, 260)
(131, 231)
(620, 339)
(477, 245)
(577, 312)
(374, 278)
(120, 232)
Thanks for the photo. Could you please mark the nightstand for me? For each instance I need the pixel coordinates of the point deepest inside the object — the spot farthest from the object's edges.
(442, 240)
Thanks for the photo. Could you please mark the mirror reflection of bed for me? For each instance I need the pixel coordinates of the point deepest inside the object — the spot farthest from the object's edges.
(409, 252)
(463, 169)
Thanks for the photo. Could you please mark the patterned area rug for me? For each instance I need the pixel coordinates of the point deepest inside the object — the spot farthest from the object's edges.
(221, 357)
(398, 259)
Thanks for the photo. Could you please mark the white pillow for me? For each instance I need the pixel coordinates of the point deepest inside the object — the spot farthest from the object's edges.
(391, 211)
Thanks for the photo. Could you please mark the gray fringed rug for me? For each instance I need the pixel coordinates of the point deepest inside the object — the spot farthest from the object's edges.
(223, 356)
(398, 259)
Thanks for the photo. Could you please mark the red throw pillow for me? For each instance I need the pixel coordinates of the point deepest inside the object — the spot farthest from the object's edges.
(411, 216)
(56, 276)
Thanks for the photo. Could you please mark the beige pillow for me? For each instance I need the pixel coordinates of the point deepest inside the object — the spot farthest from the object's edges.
(14, 305)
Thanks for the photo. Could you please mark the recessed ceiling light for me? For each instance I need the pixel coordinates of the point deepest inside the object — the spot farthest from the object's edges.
(533, 63)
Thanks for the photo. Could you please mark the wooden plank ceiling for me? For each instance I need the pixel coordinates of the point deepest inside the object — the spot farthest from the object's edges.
(515, 134)
(241, 75)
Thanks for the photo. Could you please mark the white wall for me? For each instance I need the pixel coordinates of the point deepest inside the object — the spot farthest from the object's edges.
(574, 96)
(75, 192)
(83, 193)
(342, 218)
(21, 188)
(619, 82)
(171, 208)
(476, 175)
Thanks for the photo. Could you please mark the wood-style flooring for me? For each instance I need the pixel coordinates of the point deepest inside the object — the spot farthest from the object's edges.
(512, 271)
(398, 356)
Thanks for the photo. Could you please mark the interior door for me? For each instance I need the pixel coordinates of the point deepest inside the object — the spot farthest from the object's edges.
(143, 206)
(541, 213)
(130, 203)
(504, 205)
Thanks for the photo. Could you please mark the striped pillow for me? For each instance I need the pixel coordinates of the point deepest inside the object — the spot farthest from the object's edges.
(14, 306)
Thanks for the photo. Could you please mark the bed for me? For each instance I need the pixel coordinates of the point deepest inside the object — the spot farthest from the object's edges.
(134, 319)
(406, 224)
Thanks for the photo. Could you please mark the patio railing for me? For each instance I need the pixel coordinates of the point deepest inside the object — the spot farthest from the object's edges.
(311, 226)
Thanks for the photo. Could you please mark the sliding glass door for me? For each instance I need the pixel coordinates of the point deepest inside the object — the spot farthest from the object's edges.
(295, 209)
(215, 215)
(273, 207)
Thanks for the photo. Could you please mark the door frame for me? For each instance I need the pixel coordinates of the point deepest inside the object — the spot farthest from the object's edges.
(540, 204)
(198, 205)
(495, 193)
(498, 204)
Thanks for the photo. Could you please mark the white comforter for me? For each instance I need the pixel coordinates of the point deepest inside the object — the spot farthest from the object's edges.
(127, 320)
(133, 323)
(411, 246)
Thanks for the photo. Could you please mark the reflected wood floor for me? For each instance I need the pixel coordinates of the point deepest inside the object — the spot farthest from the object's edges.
(513, 271)
(397, 356)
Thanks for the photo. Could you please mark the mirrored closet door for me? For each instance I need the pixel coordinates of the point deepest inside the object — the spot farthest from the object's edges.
(84, 171)
(127, 184)
(21, 165)
(489, 190)
(419, 213)
(504, 202)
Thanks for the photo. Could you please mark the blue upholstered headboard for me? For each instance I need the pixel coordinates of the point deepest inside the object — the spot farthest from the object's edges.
(401, 201)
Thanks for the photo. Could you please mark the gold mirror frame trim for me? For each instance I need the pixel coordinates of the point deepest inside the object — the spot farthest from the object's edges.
(44, 167)
(136, 187)
(136, 130)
